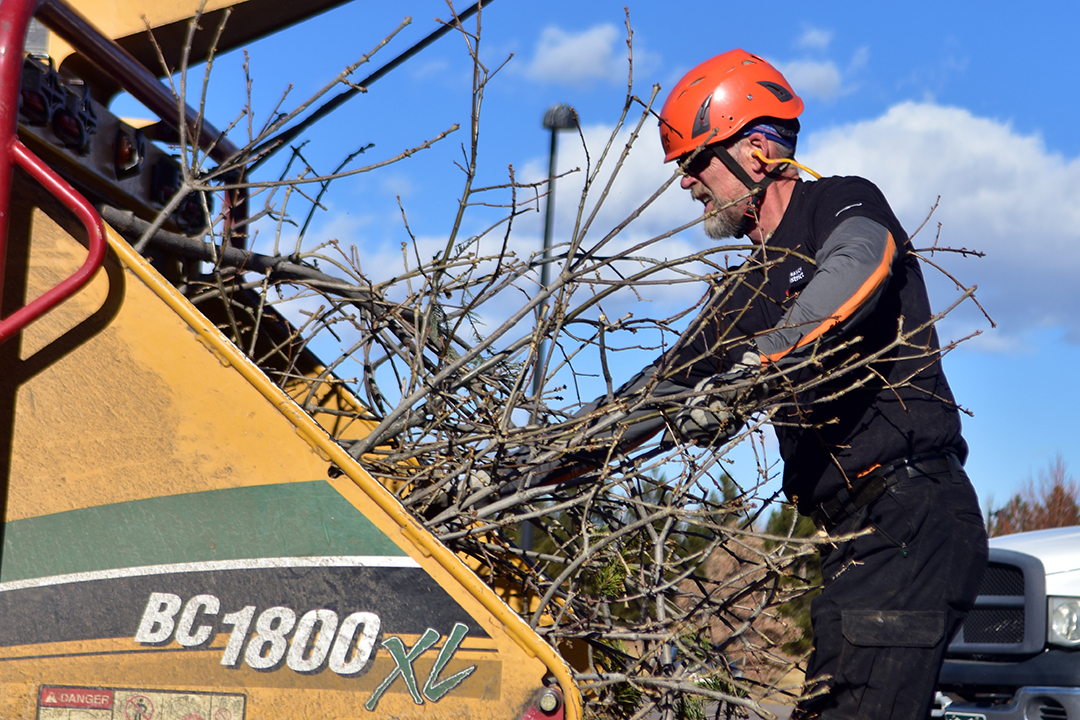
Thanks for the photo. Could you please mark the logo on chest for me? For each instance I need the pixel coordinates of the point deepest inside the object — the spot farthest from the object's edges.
(796, 276)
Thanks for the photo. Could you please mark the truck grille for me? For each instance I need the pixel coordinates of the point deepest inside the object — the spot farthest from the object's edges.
(1009, 617)
(1002, 580)
(998, 625)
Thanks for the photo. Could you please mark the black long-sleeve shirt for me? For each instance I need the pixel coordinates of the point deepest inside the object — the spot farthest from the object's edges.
(837, 268)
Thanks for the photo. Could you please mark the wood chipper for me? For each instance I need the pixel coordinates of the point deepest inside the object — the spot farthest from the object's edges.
(174, 547)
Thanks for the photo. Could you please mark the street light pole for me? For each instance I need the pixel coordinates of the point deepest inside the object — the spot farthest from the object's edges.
(558, 117)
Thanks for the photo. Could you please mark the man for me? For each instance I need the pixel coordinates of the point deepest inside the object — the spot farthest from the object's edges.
(869, 431)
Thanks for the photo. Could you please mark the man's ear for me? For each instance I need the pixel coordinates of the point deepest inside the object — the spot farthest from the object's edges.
(757, 144)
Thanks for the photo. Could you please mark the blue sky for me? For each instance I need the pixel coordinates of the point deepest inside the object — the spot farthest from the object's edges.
(972, 102)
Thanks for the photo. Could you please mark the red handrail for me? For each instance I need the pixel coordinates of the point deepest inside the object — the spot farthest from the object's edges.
(95, 232)
(15, 16)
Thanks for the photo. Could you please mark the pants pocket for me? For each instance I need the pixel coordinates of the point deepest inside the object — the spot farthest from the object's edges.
(893, 628)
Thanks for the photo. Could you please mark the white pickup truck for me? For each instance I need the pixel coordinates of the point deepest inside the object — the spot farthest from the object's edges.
(1018, 654)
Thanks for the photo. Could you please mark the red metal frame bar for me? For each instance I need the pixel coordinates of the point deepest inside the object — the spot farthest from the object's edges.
(15, 16)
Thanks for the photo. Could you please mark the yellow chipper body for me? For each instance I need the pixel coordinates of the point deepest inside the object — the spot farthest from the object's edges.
(173, 545)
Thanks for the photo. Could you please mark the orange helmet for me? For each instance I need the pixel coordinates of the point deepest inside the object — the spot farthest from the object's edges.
(723, 95)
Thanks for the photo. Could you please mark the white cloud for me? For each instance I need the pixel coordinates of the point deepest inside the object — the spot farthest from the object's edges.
(398, 184)
(814, 39)
(431, 69)
(569, 58)
(380, 254)
(643, 172)
(859, 60)
(818, 79)
(1001, 192)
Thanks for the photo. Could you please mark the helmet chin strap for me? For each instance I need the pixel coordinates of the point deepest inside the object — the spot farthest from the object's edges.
(756, 188)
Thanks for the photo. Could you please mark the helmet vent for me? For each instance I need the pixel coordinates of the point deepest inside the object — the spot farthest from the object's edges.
(782, 94)
(701, 121)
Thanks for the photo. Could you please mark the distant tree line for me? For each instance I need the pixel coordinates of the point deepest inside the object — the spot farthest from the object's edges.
(1054, 501)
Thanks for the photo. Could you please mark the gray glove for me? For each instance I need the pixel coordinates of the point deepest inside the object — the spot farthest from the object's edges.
(708, 418)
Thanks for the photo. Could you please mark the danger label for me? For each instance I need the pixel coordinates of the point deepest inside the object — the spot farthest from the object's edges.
(68, 703)
(68, 697)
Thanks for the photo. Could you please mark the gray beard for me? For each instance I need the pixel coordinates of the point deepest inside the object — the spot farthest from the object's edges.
(727, 223)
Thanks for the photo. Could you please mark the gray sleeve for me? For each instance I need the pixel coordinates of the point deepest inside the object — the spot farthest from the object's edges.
(626, 417)
(853, 267)
(635, 421)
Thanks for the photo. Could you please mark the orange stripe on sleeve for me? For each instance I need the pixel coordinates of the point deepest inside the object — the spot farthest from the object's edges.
(848, 308)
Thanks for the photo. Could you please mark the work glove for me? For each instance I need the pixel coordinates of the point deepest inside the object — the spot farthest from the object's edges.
(749, 366)
(709, 418)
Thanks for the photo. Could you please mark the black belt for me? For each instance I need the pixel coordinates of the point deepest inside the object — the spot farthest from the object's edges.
(871, 486)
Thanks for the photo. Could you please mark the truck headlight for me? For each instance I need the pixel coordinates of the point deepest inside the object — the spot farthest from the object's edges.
(1064, 621)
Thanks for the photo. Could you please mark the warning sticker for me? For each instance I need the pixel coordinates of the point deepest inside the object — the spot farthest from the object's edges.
(65, 697)
(80, 703)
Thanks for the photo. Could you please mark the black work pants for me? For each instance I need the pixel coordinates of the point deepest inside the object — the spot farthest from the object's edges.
(894, 598)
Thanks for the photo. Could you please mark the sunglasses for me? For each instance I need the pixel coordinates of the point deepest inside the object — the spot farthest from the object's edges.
(698, 163)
